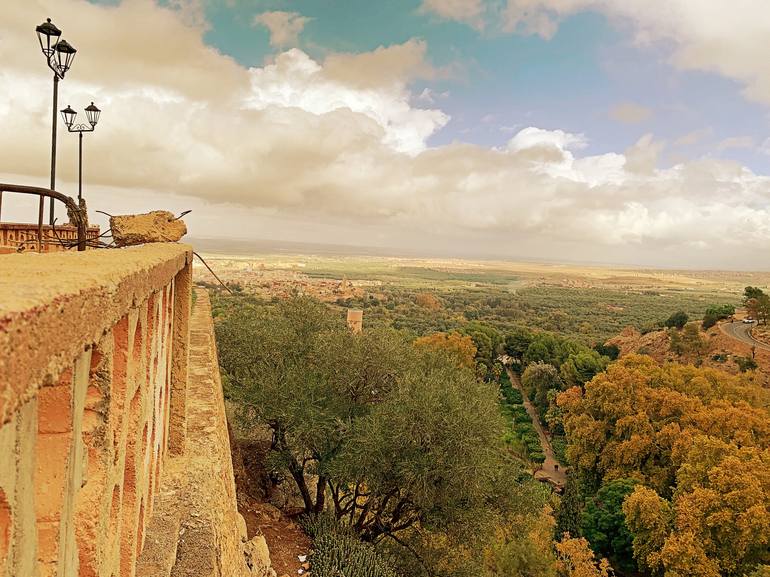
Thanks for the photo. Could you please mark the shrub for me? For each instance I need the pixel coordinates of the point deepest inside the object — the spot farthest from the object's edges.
(537, 457)
(716, 313)
(745, 364)
(677, 320)
(709, 320)
(337, 552)
(612, 352)
(559, 444)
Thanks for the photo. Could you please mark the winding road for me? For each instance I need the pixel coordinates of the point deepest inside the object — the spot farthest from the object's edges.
(742, 332)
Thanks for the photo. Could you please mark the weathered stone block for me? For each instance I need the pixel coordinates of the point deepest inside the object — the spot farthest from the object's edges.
(257, 556)
(156, 226)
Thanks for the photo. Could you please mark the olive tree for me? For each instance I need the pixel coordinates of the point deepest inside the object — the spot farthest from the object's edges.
(397, 437)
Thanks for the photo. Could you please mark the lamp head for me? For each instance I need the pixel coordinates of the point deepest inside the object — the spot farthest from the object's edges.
(63, 55)
(45, 32)
(92, 113)
(68, 115)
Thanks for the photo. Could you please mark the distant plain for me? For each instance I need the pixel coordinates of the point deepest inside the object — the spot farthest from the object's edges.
(589, 302)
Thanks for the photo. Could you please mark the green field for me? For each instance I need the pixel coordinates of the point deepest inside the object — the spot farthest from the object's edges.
(586, 303)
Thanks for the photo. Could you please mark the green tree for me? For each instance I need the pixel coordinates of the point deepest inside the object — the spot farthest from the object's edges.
(751, 292)
(677, 320)
(516, 343)
(397, 437)
(523, 548)
(568, 515)
(709, 320)
(551, 349)
(581, 367)
(538, 379)
(604, 524)
(429, 452)
(488, 345)
(297, 369)
(763, 308)
(716, 313)
(612, 352)
(757, 303)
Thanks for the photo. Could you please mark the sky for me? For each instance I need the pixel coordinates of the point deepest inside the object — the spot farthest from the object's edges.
(633, 132)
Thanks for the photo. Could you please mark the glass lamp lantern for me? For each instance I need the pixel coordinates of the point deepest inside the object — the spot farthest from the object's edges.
(45, 33)
(68, 115)
(92, 113)
(64, 54)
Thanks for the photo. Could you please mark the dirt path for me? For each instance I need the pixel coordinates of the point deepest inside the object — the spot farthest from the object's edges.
(285, 539)
(550, 469)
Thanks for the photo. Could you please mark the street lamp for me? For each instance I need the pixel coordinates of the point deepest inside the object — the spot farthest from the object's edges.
(69, 115)
(59, 55)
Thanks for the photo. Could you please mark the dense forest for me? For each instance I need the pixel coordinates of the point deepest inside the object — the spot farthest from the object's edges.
(410, 452)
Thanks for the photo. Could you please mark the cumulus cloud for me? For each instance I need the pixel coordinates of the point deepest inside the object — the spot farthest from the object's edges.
(630, 113)
(694, 137)
(386, 66)
(734, 142)
(703, 35)
(295, 81)
(429, 96)
(284, 27)
(533, 137)
(468, 11)
(193, 12)
(300, 139)
(642, 157)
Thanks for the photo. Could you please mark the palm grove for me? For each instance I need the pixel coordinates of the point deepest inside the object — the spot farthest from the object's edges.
(397, 449)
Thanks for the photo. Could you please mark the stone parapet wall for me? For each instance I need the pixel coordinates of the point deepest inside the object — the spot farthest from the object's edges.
(86, 347)
(199, 488)
(114, 457)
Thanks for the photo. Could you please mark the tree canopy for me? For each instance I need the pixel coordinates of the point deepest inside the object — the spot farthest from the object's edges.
(454, 343)
(604, 524)
(398, 436)
(677, 320)
(696, 441)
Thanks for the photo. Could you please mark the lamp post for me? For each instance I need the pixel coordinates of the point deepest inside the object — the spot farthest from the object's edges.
(59, 55)
(68, 115)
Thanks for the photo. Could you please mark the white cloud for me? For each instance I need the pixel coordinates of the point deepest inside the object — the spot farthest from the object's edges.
(630, 113)
(284, 27)
(642, 157)
(533, 137)
(294, 80)
(734, 142)
(468, 11)
(193, 12)
(299, 139)
(694, 137)
(707, 35)
(386, 66)
(429, 96)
